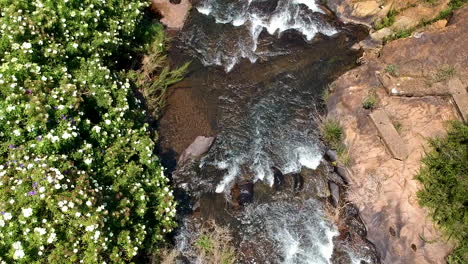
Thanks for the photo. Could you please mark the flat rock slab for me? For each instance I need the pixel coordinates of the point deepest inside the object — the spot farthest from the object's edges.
(460, 96)
(174, 15)
(198, 147)
(389, 135)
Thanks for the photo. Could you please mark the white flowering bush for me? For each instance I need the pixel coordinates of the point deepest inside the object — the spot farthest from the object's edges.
(79, 182)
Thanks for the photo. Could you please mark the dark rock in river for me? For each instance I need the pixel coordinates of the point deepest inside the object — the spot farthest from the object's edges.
(331, 155)
(335, 193)
(352, 238)
(246, 194)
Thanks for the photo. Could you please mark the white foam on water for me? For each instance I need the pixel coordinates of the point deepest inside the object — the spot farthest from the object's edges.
(303, 156)
(320, 252)
(290, 245)
(286, 16)
(300, 232)
(310, 4)
(229, 177)
(327, 249)
(205, 8)
(261, 165)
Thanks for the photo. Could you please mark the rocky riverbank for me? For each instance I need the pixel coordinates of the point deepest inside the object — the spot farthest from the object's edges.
(413, 83)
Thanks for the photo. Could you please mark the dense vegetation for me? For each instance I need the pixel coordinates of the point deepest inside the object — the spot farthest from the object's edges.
(79, 181)
(444, 177)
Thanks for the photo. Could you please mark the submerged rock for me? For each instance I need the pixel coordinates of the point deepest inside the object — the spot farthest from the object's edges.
(335, 193)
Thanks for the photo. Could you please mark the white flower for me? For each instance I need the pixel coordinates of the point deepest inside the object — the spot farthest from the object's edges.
(2, 223)
(39, 230)
(26, 45)
(16, 132)
(66, 135)
(88, 161)
(65, 208)
(19, 253)
(96, 235)
(88, 203)
(108, 122)
(17, 245)
(75, 45)
(97, 129)
(27, 212)
(7, 216)
(41, 189)
(51, 238)
(77, 214)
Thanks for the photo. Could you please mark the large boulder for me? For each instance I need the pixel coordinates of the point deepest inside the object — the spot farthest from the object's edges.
(198, 147)
(173, 12)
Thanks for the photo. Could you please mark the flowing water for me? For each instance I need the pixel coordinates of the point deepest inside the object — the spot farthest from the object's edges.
(253, 17)
(260, 66)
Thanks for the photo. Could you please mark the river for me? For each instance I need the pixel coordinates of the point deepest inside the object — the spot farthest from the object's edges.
(259, 68)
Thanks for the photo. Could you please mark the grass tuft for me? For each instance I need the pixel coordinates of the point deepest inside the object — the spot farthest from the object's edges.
(370, 101)
(392, 70)
(332, 132)
(387, 21)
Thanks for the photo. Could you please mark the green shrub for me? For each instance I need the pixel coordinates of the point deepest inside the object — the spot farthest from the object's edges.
(343, 154)
(392, 70)
(370, 101)
(78, 177)
(388, 20)
(332, 132)
(327, 92)
(445, 183)
(403, 33)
